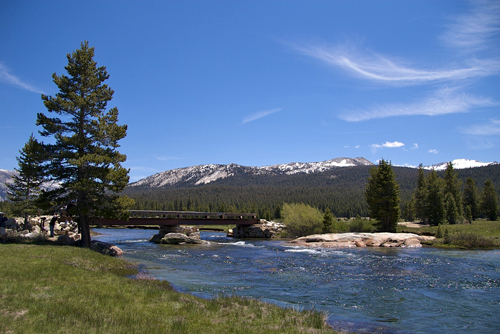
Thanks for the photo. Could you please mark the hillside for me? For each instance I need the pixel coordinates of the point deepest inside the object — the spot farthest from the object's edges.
(337, 184)
(5, 176)
(204, 174)
(340, 189)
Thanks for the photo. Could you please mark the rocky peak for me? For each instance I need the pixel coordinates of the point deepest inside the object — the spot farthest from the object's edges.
(204, 174)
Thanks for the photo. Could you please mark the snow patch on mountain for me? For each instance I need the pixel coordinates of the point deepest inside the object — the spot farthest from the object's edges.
(313, 167)
(204, 174)
(6, 178)
(201, 174)
(461, 164)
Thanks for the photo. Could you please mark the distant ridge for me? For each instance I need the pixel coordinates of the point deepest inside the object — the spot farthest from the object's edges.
(461, 164)
(6, 177)
(204, 174)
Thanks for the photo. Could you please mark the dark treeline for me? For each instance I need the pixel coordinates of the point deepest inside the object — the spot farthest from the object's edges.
(341, 190)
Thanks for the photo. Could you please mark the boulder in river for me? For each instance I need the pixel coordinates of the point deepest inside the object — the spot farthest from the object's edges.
(181, 238)
(177, 235)
(384, 239)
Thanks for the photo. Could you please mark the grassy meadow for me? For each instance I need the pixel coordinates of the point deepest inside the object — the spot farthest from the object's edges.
(61, 289)
(479, 234)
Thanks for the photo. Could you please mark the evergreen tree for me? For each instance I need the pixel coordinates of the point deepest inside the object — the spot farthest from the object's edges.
(451, 211)
(408, 211)
(471, 197)
(452, 187)
(439, 233)
(327, 221)
(26, 187)
(421, 205)
(468, 214)
(277, 212)
(446, 236)
(489, 201)
(435, 201)
(84, 157)
(382, 196)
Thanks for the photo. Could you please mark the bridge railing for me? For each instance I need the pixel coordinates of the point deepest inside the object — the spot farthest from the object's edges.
(191, 214)
(173, 218)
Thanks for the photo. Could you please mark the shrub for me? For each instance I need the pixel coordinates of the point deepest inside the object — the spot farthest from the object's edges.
(360, 225)
(340, 226)
(439, 233)
(470, 240)
(301, 219)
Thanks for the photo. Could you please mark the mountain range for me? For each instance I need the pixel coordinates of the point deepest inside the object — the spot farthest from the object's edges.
(204, 174)
(6, 176)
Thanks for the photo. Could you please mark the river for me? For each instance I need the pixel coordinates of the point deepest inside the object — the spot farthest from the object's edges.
(364, 290)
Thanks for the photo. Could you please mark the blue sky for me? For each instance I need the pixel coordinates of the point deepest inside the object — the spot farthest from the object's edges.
(265, 82)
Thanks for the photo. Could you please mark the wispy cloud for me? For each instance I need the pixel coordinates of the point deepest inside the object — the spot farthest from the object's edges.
(472, 33)
(433, 151)
(259, 115)
(444, 101)
(475, 30)
(488, 129)
(8, 78)
(415, 146)
(376, 67)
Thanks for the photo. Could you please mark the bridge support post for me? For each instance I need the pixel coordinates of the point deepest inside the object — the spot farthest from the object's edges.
(177, 235)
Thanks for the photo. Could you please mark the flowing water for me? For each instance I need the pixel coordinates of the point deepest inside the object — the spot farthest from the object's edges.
(363, 290)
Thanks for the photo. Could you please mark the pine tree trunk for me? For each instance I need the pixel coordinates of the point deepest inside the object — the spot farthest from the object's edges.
(85, 231)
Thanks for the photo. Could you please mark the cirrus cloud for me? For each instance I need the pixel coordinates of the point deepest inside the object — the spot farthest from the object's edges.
(489, 129)
(11, 79)
(444, 101)
(260, 114)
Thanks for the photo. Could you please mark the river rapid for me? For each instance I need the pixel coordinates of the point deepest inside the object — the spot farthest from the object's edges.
(364, 290)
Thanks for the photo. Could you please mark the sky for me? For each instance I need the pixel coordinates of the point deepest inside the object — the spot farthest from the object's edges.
(260, 83)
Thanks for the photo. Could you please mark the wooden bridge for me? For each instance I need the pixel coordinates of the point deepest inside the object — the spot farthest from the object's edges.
(174, 218)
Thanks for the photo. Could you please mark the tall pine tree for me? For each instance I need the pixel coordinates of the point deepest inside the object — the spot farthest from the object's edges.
(489, 201)
(84, 157)
(452, 186)
(327, 221)
(26, 186)
(382, 196)
(421, 194)
(435, 199)
(471, 198)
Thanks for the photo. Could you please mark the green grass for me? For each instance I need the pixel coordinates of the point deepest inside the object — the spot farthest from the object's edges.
(479, 234)
(56, 289)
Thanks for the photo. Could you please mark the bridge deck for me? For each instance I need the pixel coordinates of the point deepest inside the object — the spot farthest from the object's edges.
(173, 218)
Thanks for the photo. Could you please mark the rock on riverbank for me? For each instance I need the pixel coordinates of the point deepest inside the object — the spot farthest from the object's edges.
(65, 233)
(384, 239)
(265, 229)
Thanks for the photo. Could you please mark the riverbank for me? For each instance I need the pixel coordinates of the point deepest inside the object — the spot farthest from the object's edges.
(48, 289)
(481, 234)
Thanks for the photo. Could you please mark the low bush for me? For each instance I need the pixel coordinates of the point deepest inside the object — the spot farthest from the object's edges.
(301, 220)
(469, 240)
(361, 225)
(340, 226)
